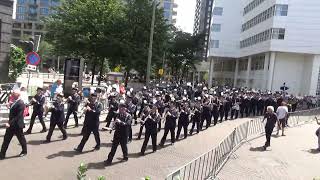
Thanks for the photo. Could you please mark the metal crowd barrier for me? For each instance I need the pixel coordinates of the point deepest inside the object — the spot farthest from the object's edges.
(210, 163)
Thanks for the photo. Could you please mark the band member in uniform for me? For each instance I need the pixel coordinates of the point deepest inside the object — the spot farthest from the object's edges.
(145, 113)
(91, 122)
(183, 120)
(206, 113)
(73, 101)
(122, 123)
(37, 101)
(171, 116)
(215, 111)
(15, 126)
(113, 108)
(57, 118)
(196, 115)
(131, 109)
(150, 123)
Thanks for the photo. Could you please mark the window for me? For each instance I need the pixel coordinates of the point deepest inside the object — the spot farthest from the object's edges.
(217, 11)
(27, 33)
(33, 10)
(281, 10)
(39, 26)
(252, 5)
(33, 1)
(214, 43)
(55, 2)
(166, 14)
(16, 33)
(257, 62)
(44, 11)
(273, 33)
(216, 27)
(278, 33)
(259, 18)
(167, 5)
(16, 25)
(21, 1)
(20, 17)
(27, 25)
(44, 2)
(21, 10)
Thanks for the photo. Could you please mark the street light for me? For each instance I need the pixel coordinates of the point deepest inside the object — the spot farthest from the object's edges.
(151, 42)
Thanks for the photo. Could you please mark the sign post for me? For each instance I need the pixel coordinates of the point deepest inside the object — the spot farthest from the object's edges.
(32, 59)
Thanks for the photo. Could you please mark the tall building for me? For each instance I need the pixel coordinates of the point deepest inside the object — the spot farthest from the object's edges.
(6, 9)
(263, 44)
(169, 10)
(202, 23)
(28, 17)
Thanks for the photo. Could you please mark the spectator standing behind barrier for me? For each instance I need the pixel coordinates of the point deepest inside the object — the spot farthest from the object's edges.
(271, 121)
(282, 114)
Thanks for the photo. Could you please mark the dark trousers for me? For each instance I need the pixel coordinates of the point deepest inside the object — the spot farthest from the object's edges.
(253, 110)
(146, 140)
(33, 117)
(75, 115)
(130, 133)
(159, 126)
(221, 113)
(234, 113)
(215, 118)
(60, 126)
(206, 118)
(194, 123)
(241, 112)
(115, 143)
(268, 135)
(185, 129)
(86, 134)
(110, 116)
(226, 114)
(140, 131)
(166, 131)
(10, 132)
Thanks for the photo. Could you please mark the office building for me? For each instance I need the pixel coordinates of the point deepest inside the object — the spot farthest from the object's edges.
(29, 14)
(6, 10)
(202, 23)
(263, 44)
(169, 8)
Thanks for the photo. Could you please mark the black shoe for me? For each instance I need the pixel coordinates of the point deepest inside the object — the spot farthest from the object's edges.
(78, 150)
(125, 159)
(46, 141)
(141, 153)
(65, 137)
(107, 163)
(96, 148)
(2, 156)
(22, 154)
(43, 131)
(77, 125)
(27, 132)
(154, 150)
(65, 126)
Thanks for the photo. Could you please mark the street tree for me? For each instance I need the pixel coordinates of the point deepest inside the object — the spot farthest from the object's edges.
(17, 62)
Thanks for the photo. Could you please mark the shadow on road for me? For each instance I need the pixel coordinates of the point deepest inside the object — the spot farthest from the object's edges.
(67, 154)
(255, 149)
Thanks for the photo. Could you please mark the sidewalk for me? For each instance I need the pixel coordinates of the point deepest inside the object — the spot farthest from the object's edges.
(58, 161)
(292, 157)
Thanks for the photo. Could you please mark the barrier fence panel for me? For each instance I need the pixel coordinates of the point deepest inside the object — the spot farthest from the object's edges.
(210, 163)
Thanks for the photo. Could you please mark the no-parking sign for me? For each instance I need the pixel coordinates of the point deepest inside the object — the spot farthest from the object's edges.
(33, 58)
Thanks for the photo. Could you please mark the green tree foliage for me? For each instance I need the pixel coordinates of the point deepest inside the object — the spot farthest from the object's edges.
(114, 30)
(182, 53)
(16, 62)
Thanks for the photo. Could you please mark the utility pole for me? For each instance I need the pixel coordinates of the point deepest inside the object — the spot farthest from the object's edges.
(151, 42)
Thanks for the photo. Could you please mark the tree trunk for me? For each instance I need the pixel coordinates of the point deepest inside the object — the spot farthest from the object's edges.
(101, 72)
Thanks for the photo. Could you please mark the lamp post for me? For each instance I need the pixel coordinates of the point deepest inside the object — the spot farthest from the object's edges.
(150, 43)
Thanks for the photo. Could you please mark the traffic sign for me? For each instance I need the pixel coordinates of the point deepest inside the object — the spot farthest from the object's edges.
(31, 67)
(33, 58)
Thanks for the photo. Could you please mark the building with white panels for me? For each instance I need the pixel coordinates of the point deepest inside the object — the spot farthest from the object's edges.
(263, 44)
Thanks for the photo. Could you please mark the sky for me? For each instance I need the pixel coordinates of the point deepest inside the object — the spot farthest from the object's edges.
(185, 14)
